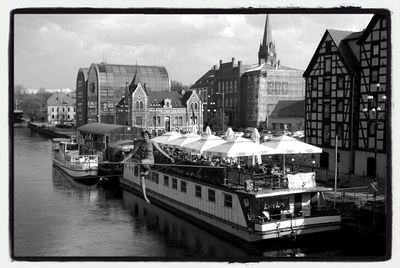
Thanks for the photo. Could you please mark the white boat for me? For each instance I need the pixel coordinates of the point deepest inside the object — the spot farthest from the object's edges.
(66, 156)
(252, 207)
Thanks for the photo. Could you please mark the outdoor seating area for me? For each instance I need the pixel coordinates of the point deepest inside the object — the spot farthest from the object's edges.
(235, 160)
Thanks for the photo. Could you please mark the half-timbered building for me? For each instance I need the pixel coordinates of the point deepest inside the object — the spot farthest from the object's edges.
(373, 93)
(345, 80)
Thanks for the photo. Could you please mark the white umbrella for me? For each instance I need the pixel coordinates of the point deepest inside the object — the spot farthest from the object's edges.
(185, 139)
(167, 137)
(229, 134)
(207, 141)
(238, 147)
(288, 145)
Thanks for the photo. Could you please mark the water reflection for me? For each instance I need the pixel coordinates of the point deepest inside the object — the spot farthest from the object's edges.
(181, 238)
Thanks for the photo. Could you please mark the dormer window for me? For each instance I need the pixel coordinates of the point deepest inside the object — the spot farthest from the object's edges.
(167, 103)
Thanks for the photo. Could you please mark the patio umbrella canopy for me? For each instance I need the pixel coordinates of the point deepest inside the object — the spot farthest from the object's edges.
(238, 147)
(207, 141)
(185, 139)
(167, 137)
(288, 145)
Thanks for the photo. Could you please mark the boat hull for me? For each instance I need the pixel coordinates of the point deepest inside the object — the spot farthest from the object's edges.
(76, 173)
(299, 226)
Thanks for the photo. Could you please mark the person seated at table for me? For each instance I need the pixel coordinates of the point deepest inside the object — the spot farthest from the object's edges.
(276, 170)
(262, 169)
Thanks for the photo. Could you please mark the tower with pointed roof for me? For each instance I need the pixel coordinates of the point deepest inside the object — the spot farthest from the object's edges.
(266, 52)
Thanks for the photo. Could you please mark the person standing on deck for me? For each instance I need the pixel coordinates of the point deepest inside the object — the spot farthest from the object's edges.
(147, 147)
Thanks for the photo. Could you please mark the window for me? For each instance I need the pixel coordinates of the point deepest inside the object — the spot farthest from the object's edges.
(270, 88)
(154, 120)
(136, 170)
(313, 105)
(137, 104)
(139, 120)
(174, 183)
(327, 134)
(340, 82)
(339, 129)
(198, 191)
(327, 87)
(68, 109)
(372, 128)
(374, 75)
(154, 177)
(180, 123)
(52, 116)
(327, 112)
(328, 46)
(158, 120)
(195, 106)
(166, 181)
(141, 105)
(228, 200)
(273, 126)
(58, 109)
(375, 49)
(281, 126)
(183, 186)
(327, 65)
(315, 83)
(340, 106)
(211, 195)
(52, 109)
(289, 126)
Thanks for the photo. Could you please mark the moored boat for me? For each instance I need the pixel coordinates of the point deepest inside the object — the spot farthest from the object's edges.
(66, 157)
(251, 207)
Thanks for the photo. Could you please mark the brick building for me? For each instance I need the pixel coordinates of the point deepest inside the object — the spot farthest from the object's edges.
(160, 111)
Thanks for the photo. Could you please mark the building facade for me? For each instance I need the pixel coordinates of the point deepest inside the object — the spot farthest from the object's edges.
(345, 80)
(266, 83)
(61, 109)
(81, 96)
(287, 116)
(160, 112)
(107, 84)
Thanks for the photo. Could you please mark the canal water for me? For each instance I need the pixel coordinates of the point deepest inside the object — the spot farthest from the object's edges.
(54, 216)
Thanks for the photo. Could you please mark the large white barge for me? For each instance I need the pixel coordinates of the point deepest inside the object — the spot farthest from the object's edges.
(251, 207)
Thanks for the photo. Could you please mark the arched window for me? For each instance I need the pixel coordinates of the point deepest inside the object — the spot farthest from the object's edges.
(137, 104)
(195, 106)
(141, 105)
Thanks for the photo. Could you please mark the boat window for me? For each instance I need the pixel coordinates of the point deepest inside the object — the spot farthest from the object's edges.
(136, 171)
(72, 147)
(211, 195)
(183, 186)
(198, 191)
(228, 200)
(174, 183)
(166, 181)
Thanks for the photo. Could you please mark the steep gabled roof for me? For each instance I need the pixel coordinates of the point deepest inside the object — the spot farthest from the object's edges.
(346, 53)
(288, 108)
(205, 79)
(61, 98)
(369, 28)
(176, 98)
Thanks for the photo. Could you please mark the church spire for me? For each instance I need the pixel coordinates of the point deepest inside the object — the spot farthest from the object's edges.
(267, 53)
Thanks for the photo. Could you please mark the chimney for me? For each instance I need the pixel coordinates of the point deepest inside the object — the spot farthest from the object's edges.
(220, 62)
(233, 60)
(215, 67)
(239, 63)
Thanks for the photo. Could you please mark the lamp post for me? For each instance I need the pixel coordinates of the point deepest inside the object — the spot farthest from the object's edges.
(155, 104)
(292, 165)
(313, 165)
(375, 108)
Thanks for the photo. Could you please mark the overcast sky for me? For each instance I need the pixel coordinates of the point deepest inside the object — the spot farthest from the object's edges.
(49, 49)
